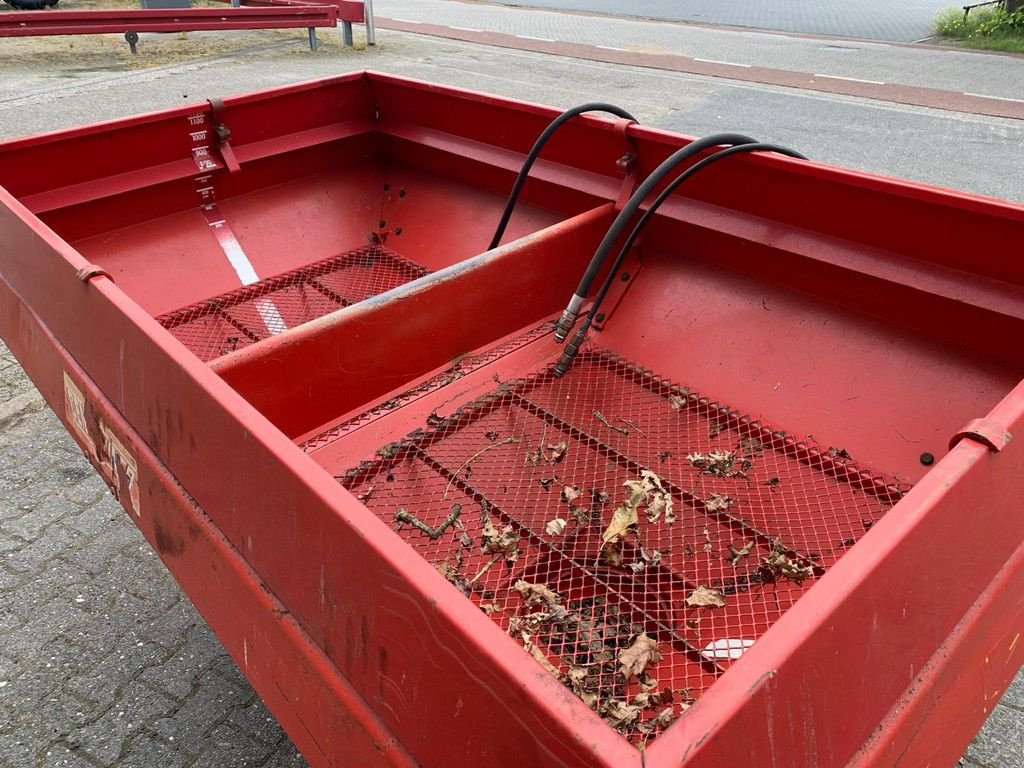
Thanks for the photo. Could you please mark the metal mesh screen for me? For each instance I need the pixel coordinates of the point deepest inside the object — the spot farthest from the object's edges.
(634, 536)
(233, 320)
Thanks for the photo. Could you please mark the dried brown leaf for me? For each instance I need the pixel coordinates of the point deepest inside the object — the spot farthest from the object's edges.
(556, 527)
(718, 503)
(717, 463)
(678, 402)
(451, 573)
(706, 597)
(537, 594)
(505, 541)
(570, 493)
(618, 714)
(556, 452)
(779, 563)
(622, 521)
(612, 554)
(739, 554)
(642, 651)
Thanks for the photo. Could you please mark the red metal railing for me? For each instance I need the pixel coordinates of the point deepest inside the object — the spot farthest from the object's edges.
(255, 14)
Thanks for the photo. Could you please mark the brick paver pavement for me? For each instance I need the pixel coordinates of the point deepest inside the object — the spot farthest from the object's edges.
(103, 660)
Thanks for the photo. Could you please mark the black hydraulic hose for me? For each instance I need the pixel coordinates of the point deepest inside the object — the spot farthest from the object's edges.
(569, 354)
(572, 310)
(538, 145)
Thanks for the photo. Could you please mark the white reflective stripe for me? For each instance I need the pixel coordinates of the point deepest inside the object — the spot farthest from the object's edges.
(730, 648)
(271, 317)
(242, 266)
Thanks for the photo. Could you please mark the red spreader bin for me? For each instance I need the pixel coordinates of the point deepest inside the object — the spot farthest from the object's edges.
(769, 514)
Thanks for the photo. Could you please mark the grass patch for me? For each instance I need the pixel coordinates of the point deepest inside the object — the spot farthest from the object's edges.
(989, 28)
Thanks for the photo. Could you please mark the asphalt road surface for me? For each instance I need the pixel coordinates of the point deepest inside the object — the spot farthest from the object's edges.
(897, 20)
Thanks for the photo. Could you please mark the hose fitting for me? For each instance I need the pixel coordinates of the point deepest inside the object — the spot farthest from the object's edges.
(572, 348)
(568, 318)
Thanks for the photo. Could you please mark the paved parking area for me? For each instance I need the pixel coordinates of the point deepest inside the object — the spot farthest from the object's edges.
(898, 20)
(103, 661)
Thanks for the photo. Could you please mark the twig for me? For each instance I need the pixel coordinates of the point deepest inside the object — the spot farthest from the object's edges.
(631, 424)
(600, 417)
(403, 516)
(485, 569)
(473, 458)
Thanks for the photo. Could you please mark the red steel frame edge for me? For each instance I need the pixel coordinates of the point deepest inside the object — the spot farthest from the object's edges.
(539, 703)
(703, 732)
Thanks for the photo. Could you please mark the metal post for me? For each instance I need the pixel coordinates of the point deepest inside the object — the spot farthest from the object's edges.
(312, 38)
(236, 3)
(371, 29)
(346, 33)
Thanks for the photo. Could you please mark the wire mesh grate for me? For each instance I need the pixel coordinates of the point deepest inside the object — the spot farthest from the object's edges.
(244, 316)
(633, 535)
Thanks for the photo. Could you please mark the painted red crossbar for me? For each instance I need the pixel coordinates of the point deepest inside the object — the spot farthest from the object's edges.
(348, 10)
(30, 23)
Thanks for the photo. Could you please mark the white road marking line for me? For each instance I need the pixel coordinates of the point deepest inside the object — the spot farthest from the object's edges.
(997, 98)
(408, 21)
(541, 39)
(852, 79)
(465, 29)
(610, 48)
(727, 63)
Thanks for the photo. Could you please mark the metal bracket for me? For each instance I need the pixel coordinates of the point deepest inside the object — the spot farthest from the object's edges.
(223, 134)
(627, 164)
(89, 271)
(985, 431)
(631, 266)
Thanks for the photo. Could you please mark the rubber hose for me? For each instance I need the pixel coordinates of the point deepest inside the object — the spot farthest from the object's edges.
(568, 319)
(538, 145)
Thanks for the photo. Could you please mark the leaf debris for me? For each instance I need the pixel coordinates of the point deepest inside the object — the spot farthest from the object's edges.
(648, 491)
(705, 597)
(719, 463)
(570, 493)
(651, 558)
(537, 594)
(779, 563)
(751, 446)
(678, 402)
(718, 503)
(601, 417)
(504, 542)
(634, 659)
(556, 527)
(552, 453)
(739, 554)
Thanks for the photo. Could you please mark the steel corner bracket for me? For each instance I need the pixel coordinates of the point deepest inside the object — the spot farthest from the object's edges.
(985, 431)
